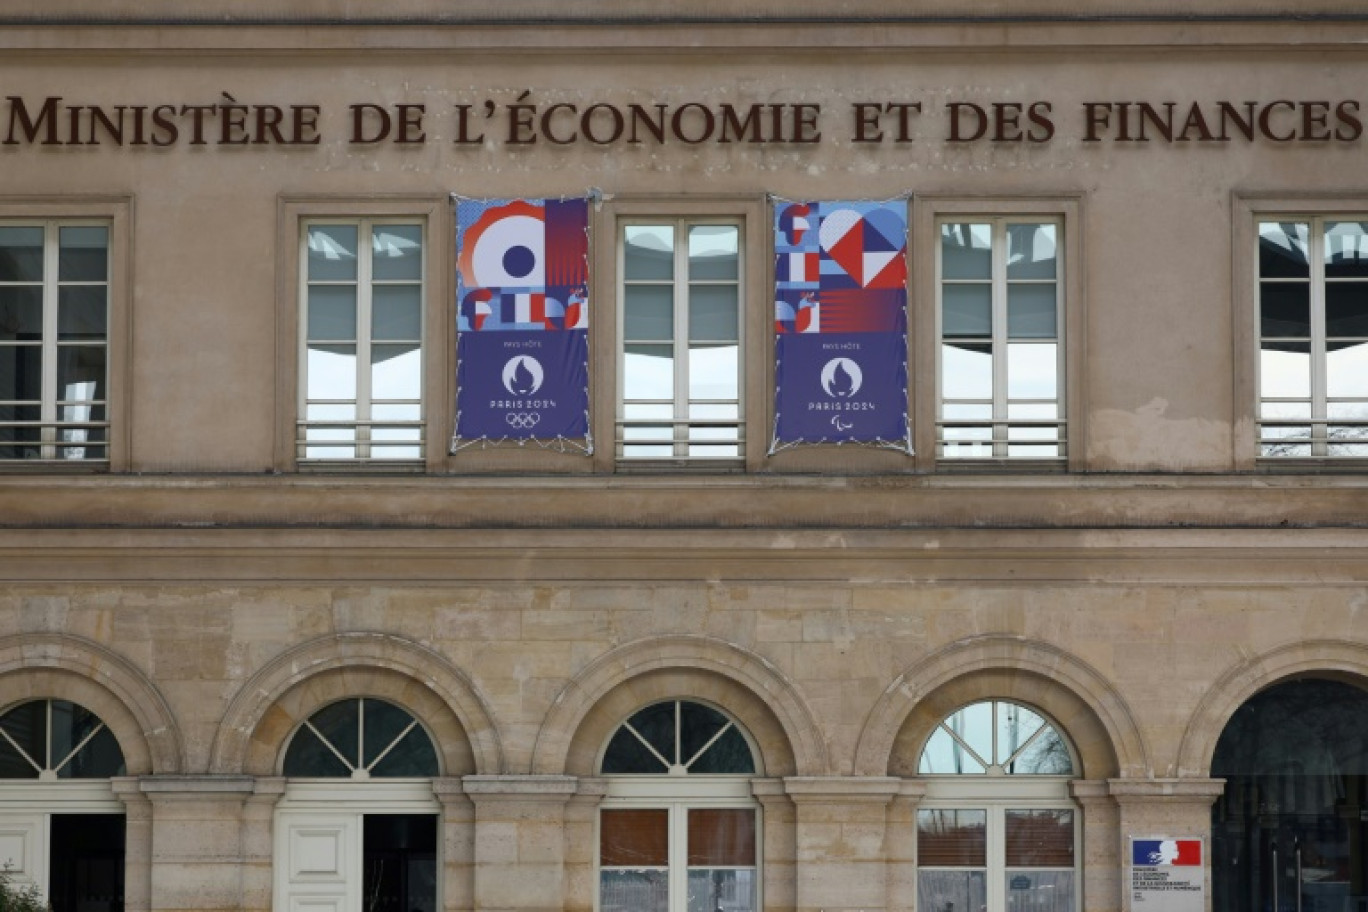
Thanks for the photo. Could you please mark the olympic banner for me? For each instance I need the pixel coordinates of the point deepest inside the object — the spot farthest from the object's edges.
(840, 302)
(522, 322)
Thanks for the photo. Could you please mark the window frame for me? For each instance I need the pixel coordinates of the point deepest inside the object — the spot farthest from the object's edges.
(929, 212)
(113, 213)
(1249, 283)
(437, 377)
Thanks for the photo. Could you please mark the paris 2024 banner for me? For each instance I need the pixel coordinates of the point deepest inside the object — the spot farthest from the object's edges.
(522, 322)
(840, 294)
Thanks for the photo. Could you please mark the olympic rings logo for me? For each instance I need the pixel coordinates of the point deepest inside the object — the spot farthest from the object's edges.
(522, 420)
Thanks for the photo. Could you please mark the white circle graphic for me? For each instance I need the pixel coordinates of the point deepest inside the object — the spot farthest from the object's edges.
(522, 375)
(841, 378)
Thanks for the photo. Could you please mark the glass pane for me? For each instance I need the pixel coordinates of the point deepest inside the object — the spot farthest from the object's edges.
(397, 253)
(634, 891)
(21, 314)
(100, 758)
(974, 726)
(712, 313)
(332, 313)
(83, 254)
(648, 313)
(1031, 311)
(648, 252)
(21, 254)
(1015, 726)
(657, 725)
(396, 312)
(954, 412)
(966, 251)
(1031, 252)
(308, 756)
(332, 371)
(81, 312)
(1347, 441)
(70, 724)
(944, 755)
(1032, 370)
(663, 412)
(1040, 838)
(1346, 371)
(729, 753)
(626, 754)
(727, 891)
(713, 252)
(26, 725)
(80, 372)
(332, 253)
(1285, 370)
(714, 372)
(21, 372)
(1300, 410)
(13, 765)
(952, 838)
(1282, 250)
(966, 371)
(697, 726)
(721, 837)
(648, 372)
(339, 724)
(414, 755)
(1285, 441)
(1048, 411)
(1285, 309)
(396, 371)
(638, 838)
(1346, 250)
(1040, 891)
(952, 891)
(1346, 309)
(383, 723)
(1047, 755)
(19, 442)
(967, 310)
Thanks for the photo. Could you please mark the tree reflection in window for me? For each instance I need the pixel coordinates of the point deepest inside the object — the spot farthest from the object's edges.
(57, 739)
(359, 739)
(678, 738)
(996, 738)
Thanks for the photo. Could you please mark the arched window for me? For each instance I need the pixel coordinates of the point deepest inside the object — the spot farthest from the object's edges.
(382, 814)
(679, 828)
(63, 826)
(997, 830)
(358, 739)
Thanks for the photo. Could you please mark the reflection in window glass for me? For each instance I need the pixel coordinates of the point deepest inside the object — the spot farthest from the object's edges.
(361, 739)
(1000, 318)
(1002, 738)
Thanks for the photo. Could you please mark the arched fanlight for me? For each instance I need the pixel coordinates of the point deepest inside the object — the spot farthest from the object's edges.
(996, 738)
(57, 739)
(361, 738)
(678, 738)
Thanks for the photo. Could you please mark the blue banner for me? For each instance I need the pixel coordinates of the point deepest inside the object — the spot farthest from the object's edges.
(840, 319)
(522, 320)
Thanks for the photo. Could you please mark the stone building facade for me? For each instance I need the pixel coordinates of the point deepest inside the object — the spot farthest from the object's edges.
(1171, 594)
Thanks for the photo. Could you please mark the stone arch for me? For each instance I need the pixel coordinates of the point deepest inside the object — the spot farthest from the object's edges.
(36, 666)
(1085, 706)
(293, 685)
(1334, 659)
(750, 688)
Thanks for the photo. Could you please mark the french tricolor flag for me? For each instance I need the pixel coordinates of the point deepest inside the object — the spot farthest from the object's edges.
(1166, 852)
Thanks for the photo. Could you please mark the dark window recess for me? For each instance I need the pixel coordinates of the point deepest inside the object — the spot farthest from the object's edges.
(400, 863)
(86, 863)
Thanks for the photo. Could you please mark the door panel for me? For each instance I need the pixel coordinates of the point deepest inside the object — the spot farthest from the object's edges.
(23, 848)
(318, 861)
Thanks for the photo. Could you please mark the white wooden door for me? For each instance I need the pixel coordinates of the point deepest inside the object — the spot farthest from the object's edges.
(318, 861)
(24, 849)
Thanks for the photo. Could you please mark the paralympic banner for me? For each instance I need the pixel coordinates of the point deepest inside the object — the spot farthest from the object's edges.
(840, 319)
(522, 322)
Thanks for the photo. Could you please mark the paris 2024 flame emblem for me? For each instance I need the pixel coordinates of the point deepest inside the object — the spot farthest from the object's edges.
(523, 375)
(841, 379)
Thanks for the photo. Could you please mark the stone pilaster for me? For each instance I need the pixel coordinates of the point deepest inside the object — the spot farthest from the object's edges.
(1164, 807)
(519, 841)
(841, 827)
(779, 846)
(137, 844)
(456, 847)
(581, 815)
(1100, 864)
(197, 858)
(902, 845)
(258, 844)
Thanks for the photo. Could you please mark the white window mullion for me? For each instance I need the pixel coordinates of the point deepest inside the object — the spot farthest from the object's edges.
(679, 857)
(681, 340)
(48, 384)
(999, 337)
(1315, 248)
(364, 272)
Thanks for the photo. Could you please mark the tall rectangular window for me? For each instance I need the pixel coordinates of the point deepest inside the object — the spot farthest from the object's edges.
(680, 356)
(361, 351)
(54, 341)
(1000, 314)
(1313, 338)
